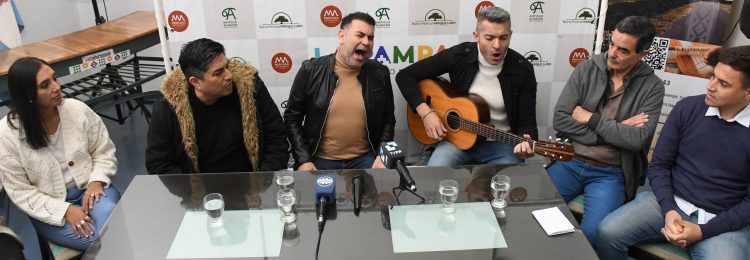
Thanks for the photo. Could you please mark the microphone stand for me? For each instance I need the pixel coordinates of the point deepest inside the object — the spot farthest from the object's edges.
(97, 17)
(403, 186)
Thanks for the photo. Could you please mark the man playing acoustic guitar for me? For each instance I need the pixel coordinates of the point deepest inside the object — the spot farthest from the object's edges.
(489, 69)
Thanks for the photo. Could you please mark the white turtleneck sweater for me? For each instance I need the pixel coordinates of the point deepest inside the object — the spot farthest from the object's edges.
(487, 85)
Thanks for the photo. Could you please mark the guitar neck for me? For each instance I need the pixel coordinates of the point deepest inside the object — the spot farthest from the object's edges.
(498, 135)
(488, 131)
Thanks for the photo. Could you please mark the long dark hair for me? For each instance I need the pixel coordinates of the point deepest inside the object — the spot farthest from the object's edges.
(22, 88)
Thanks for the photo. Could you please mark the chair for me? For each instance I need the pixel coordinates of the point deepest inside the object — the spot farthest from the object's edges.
(49, 250)
(4, 202)
(641, 250)
(4, 219)
(52, 251)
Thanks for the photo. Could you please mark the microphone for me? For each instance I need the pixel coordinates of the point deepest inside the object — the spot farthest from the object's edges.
(392, 156)
(357, 182)
(325, 188)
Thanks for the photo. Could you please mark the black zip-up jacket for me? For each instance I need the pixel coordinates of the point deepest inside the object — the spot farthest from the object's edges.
(310, 97)
(517, 81)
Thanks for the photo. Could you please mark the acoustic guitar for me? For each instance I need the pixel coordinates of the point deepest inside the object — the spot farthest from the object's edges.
(467, 120)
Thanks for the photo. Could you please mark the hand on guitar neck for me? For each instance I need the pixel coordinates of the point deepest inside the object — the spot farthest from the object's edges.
(432, 124)
(523, 150)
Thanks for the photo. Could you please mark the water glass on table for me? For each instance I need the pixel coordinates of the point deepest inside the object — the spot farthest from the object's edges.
(500, 186)
(213, 203)
(284, 179)
(448, 194)
(286, 199)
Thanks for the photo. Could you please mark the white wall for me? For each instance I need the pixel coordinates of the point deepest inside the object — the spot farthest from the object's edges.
(115, 9)
(47, 19)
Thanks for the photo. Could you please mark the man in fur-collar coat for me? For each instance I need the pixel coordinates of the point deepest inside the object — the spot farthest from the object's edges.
(216, 116)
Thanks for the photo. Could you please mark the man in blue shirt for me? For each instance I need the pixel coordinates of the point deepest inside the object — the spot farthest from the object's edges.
(699, 174)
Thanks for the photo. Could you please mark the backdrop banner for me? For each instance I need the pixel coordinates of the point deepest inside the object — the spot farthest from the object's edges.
(276, 36)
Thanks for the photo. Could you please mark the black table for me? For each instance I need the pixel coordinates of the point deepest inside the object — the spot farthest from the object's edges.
(145, 222)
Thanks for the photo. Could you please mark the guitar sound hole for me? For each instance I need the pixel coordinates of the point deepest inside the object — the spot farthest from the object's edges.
(452, 120)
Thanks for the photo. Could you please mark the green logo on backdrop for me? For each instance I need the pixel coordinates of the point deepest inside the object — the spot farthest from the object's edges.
(536, 6)
(382, 12)
(585, 13)
(535, 58)
(280, 20)
(227, 12)
(434, 17)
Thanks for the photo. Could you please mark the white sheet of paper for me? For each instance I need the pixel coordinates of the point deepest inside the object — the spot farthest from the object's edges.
(553, 221)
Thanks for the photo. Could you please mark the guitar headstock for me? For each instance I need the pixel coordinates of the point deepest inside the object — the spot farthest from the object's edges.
(554, 149)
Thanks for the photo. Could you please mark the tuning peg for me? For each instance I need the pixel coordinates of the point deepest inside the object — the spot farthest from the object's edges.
(549, 138)
(567, 141)
(558, 140)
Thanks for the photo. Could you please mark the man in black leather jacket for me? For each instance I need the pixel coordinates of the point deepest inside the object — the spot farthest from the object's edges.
(340, 107)
(488, 68)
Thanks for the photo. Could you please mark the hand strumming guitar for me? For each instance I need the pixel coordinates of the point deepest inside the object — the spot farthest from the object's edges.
(431, 121)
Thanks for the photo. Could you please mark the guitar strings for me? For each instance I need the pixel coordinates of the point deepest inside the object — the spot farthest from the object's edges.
(482, 129)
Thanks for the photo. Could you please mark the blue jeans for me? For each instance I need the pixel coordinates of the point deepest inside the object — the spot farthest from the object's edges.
(362, 162)
(603, 189)
(641, 220)
(492, 152)
(65, 236)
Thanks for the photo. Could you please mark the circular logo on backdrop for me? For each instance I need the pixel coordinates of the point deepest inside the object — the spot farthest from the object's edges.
(178, 21)
(281, 62)
(577, 56)
(482, 5)
(330, 16)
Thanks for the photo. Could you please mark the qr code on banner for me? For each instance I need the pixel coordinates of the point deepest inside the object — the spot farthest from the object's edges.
(657, 53)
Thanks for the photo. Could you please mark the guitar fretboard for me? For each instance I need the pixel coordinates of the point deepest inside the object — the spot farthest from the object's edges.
(481, 129)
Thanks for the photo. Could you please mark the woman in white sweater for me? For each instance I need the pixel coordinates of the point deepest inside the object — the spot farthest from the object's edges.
(56, 158)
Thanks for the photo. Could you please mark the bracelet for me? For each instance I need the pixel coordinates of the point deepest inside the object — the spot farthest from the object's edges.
(428, 113)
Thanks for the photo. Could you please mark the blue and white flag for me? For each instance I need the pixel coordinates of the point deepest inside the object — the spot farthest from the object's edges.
(11, 25)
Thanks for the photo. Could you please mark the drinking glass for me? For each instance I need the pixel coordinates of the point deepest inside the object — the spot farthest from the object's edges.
(284, 179)
(448, 194)
(213, 203)
(290, 237)
(286, 200)
(500, 186)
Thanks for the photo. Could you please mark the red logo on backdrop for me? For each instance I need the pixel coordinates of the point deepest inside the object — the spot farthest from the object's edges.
(330, 16)
(482, 5)
(178, 21)
(281, 62)
(577, 56)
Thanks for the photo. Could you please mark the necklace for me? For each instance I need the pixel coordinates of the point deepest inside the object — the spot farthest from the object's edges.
(51, 126)
(54, 138)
